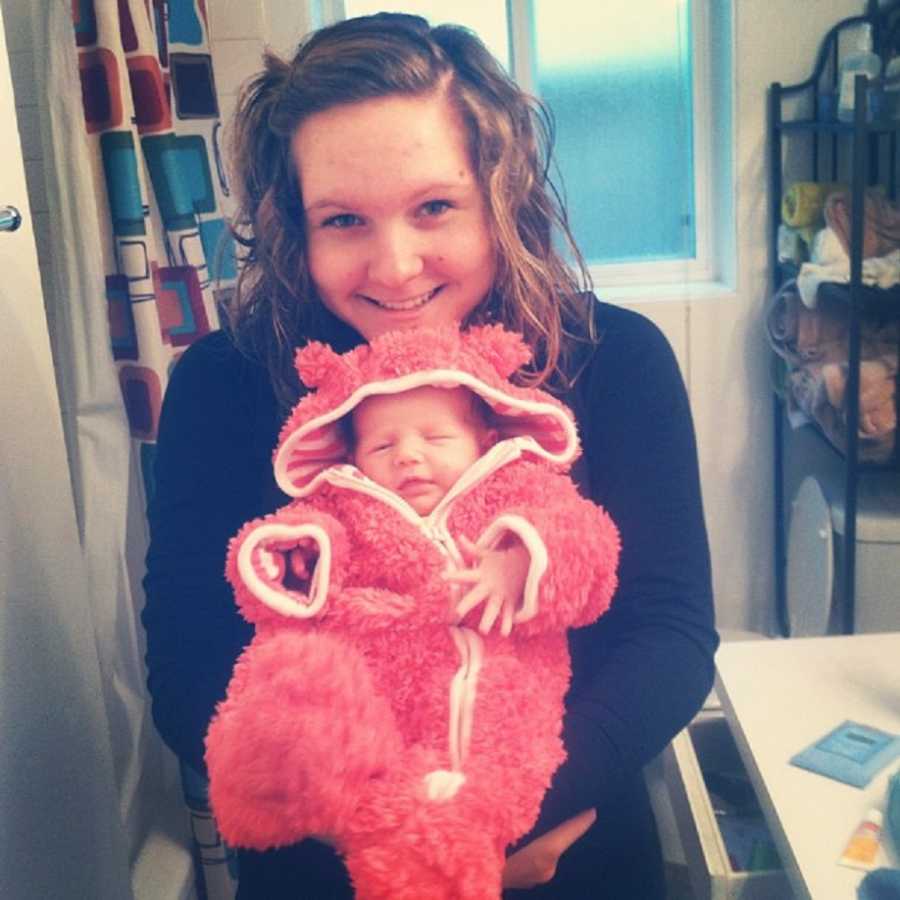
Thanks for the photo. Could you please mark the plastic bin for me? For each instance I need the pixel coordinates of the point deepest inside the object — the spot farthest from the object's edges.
(816, 554)
(877, 600)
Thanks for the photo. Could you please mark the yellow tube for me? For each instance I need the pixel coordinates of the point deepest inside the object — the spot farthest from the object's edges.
(862, 848)
(803, 203)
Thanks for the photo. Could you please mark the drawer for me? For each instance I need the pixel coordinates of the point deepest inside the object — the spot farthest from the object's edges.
(705, 754)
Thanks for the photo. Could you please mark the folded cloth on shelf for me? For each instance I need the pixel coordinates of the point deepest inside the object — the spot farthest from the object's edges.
(830, 250)
(815, 393)
(883, 272)
(827, 249)
(881, 221)
(801, 335)
(813, 344)
(877, 386)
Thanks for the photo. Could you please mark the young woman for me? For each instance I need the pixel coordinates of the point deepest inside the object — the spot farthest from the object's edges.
(390, 176)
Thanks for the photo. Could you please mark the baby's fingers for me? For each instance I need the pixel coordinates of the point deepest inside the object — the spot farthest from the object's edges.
(470, 601)
(491, 611)
(297, 564)
(506, 622)
(462, 576)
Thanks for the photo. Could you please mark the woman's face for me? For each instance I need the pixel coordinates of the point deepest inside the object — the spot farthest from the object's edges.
(398, 234)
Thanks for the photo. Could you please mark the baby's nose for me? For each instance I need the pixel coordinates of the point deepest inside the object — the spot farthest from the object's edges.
(408, 453)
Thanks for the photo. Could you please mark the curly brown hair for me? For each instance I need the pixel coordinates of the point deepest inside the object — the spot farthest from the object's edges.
(275, 304)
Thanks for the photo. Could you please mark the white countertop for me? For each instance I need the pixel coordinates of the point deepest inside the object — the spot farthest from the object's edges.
(779, 697)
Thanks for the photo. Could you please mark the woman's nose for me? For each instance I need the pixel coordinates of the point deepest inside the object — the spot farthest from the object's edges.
(396, 258)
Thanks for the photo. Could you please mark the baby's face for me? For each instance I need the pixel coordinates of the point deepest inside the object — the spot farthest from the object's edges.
(418, 443)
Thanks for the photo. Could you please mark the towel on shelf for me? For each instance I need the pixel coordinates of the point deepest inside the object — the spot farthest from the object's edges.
(828, 249)
(813, 345)
(881, 221)
(807, 204)
(800, 335)
(815, 394)
(877, 386)
(882, 272)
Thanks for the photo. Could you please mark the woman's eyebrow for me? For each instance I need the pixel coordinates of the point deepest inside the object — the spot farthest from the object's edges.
(325, 203)
(432, 188)
(438, 187)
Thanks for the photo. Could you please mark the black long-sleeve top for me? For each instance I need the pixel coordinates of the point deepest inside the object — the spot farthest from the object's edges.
(639, 673)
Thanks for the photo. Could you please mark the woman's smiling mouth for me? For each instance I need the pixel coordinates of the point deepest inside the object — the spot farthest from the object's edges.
(404, 305)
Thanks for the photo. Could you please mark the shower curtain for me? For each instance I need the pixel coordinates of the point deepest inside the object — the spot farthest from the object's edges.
(139, 258)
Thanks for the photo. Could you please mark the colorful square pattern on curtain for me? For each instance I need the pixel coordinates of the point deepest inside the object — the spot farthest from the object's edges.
(152, 122)
(151, 110)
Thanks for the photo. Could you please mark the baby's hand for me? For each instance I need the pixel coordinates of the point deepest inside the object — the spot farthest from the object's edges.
(301, 562)
(497, 579)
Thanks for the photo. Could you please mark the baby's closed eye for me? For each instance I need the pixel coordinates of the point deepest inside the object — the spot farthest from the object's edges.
(379, 447)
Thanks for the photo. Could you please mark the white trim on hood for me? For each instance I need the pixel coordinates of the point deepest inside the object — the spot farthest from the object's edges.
(287, 466)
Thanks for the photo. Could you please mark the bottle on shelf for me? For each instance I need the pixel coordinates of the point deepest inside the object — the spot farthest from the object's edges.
(892, 88)
(863, 62)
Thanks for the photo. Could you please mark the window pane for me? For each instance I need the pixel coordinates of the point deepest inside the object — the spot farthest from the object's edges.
(617, 77)
(485, 17)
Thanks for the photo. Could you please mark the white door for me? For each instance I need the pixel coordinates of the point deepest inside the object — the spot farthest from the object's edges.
(59, 820)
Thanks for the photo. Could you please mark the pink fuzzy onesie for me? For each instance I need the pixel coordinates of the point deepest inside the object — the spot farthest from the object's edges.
(359, 714)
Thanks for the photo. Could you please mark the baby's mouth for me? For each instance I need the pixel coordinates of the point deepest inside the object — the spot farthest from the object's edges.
(414, 484)
(405, 305)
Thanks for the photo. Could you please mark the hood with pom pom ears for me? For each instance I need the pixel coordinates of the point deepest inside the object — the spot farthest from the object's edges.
(481, 359)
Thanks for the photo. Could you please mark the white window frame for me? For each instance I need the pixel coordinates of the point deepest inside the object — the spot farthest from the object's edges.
(696, 270)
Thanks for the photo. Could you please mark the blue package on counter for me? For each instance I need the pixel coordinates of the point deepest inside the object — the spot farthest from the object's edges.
(851, 753)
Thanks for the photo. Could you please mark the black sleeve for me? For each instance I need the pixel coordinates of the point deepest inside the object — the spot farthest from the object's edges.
(643, 670)
(211, 472)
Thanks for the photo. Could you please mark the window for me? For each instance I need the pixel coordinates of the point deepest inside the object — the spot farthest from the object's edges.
(627, 83)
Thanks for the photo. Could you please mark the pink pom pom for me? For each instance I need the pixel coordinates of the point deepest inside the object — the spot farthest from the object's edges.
(505, 351)
(315, 363)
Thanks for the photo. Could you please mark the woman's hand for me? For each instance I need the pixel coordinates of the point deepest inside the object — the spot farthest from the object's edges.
(497, 578)
(536, 862)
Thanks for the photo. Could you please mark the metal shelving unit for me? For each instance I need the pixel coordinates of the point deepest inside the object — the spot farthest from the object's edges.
(830, 150)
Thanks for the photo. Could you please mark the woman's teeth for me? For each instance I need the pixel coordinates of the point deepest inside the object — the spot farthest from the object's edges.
(405, 305)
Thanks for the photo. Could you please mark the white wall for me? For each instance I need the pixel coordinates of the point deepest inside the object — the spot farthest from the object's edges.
(718, 338)
(775, 40)
(236, 44)
(239, 31)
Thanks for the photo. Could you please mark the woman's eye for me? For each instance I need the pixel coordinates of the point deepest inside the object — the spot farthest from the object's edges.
(341, 220)
(435, 207)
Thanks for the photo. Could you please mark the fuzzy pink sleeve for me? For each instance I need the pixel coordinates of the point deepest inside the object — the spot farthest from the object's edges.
(258, 563)
(573, 547)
